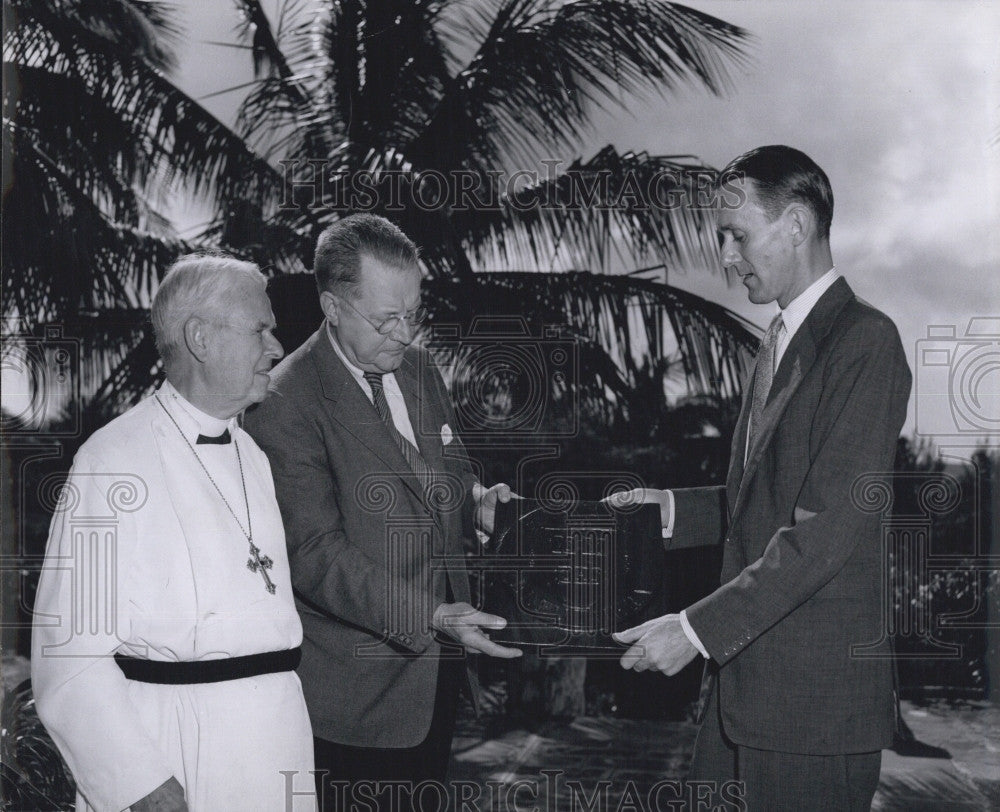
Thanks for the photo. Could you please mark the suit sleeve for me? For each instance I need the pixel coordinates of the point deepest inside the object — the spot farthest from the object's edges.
(328, 571)
(80, 618)
(700, 516)
(859, 417)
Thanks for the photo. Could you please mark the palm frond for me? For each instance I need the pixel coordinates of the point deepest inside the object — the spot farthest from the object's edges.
(633, 207)
(540, 66)
(156, 134)
(642, 325)
(62, 251)
(146, 29)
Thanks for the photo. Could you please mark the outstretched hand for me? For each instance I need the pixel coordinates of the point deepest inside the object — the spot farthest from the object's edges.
(466, 623)
(486, 504)
(658, 644)
(642, 496)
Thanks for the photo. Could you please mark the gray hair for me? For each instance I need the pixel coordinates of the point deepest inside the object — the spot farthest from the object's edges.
(341, 246)
(203, 285)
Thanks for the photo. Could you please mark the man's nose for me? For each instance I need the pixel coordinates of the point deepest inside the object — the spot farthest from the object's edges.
(403, 332)
(730, 255)
(272, 347)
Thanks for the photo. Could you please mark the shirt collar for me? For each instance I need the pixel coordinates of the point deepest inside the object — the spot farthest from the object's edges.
(192, 420)
(355, 370)
(799, 308)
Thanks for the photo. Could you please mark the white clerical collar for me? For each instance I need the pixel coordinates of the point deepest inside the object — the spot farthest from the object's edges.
(193, 420)
(799, 308)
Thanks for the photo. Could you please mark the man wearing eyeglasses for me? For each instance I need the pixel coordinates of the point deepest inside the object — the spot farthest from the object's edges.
(377, 496)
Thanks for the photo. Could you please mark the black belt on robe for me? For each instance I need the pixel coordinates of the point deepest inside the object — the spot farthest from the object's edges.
(228, 668)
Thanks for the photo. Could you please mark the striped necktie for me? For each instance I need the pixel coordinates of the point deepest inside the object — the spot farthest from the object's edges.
(410, 452)
(763, 376)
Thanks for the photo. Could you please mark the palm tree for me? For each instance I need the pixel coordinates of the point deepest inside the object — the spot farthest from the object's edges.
(399, 107)
(407, 92)
(94, 138)
(412, 92)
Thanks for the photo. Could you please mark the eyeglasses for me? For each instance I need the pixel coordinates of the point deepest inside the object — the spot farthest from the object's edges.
(414, 319)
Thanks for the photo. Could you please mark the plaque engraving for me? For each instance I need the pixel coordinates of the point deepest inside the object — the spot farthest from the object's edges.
(569, 576)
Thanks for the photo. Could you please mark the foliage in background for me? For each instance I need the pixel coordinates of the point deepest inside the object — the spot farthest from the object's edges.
(96, 140)
(393, 89)
(953, 587)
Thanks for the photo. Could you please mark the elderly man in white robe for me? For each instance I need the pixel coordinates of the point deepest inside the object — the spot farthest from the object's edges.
(165, 635)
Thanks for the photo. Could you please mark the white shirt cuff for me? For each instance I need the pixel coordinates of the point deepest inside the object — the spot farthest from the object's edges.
(668, 530)
(690, 632)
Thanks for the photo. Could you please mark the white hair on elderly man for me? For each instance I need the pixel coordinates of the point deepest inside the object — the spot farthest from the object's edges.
(206, 285)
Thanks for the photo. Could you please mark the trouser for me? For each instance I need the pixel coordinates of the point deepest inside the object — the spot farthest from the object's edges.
(771, 781)
(411, 777)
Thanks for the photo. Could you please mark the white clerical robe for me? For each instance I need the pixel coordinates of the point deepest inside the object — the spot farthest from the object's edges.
(145, 559)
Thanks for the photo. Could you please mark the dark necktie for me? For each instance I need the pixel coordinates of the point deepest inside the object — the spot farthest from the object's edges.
(410, 452)
(763, 376)
(221, 439)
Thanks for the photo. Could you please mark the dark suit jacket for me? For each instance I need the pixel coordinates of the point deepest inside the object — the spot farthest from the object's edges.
(802, 565)
(370, 558)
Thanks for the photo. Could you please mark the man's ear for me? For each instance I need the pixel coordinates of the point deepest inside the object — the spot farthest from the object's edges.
(330, 306)
(801, 222)
(196, 337)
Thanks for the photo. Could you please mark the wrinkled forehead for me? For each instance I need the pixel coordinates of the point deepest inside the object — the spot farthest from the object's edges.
(389, 287)
(248, 304)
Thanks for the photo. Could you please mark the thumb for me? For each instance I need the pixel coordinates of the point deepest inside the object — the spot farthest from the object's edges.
(503, 493)
(630, 635)
(489, 621)
(624, 499)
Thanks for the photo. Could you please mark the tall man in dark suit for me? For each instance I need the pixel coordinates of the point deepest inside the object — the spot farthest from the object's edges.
(377, 495)
(792, 713)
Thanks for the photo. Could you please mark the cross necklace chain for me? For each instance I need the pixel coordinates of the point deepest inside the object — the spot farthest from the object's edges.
(256, 562)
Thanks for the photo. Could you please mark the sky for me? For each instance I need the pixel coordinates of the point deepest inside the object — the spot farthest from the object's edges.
(897, 100)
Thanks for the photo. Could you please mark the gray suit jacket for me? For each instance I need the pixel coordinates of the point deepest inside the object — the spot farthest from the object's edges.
(803, 565)
(370, 556)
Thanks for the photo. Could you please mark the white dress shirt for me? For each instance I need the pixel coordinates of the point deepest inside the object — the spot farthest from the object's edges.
(393, 394)
(793, 317)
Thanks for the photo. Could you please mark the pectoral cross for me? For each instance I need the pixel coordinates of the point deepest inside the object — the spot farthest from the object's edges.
(259, 563)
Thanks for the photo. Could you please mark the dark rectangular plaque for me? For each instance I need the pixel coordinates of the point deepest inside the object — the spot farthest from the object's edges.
(569, 575)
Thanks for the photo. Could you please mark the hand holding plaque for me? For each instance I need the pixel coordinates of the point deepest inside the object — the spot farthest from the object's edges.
(570, 575)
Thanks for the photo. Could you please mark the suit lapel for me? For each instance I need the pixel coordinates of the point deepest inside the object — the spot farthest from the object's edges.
(348, 405)
(423, 413)
(738, 448)
(798, 359)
